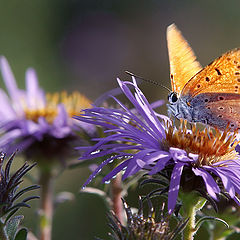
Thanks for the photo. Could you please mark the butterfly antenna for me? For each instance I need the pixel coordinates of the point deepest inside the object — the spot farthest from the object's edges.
(147, 80)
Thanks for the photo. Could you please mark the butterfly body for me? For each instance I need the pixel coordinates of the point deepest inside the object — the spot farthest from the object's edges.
(201, 108)
(209, 95)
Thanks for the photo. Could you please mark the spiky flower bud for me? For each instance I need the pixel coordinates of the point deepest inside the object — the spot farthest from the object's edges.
(9, 194)
(141, 227)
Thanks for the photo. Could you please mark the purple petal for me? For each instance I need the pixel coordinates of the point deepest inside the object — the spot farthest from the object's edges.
(179, 155)
(98, 169)
(116, 170)
(174, 186)
(9, 79)
(62, 117)
(211, 185)
(142, 106)
(6, 111)
(35, 97)
(160, 165)
(133, 167)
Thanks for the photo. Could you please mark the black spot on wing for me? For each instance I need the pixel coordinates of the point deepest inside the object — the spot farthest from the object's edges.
(218, 71)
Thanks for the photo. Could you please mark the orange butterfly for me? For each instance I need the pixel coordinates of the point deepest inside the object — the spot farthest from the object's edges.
(209, 95)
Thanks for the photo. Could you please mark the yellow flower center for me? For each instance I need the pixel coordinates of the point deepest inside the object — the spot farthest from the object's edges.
(211, 145)
(73, 104)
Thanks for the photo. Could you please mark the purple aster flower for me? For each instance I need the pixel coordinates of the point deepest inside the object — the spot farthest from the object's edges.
(145, 140)
(41, 126)
(39, 123)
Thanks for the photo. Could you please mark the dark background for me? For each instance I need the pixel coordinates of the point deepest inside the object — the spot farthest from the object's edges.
(86, 44)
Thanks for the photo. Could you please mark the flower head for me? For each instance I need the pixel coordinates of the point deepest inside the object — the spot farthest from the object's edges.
(43, 121)
(142, 227)
(145, 140)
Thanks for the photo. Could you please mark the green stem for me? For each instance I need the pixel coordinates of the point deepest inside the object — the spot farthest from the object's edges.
(191, 204)
(3, 234)
(46, 195)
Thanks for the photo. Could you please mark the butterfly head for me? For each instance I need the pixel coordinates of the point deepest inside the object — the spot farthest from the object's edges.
(173, 104)
(179, 106)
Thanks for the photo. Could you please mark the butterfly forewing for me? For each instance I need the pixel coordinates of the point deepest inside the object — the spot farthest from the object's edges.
(183, 64)
(222, 76)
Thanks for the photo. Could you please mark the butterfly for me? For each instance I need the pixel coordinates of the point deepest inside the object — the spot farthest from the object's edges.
(209, 95)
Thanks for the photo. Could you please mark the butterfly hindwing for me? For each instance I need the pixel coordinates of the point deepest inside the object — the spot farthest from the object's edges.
(216, 109)
(225, 113)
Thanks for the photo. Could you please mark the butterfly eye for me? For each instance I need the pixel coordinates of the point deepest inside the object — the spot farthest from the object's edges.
(172, 97)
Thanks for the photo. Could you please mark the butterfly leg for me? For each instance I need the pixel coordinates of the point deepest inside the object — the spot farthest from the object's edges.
(191, 125)
(174, 120)
(172, 117)
(208, 128)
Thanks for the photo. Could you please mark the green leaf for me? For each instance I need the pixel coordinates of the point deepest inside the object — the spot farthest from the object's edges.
(209, 218)
(24, 190)
(21, 234)
(14, 208)
(12, 226)
(99, 193)
(179, 228)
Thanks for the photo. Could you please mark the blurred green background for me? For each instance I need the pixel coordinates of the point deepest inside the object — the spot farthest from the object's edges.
(86, 44)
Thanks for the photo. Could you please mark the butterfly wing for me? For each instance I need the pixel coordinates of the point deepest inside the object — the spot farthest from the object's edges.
(183, 64)
(220, 76)
(224, 112)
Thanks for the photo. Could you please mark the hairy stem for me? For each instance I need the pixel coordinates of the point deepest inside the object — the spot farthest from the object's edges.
(191, 204)
(116, 189)
(46, 195)
(189, 231)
